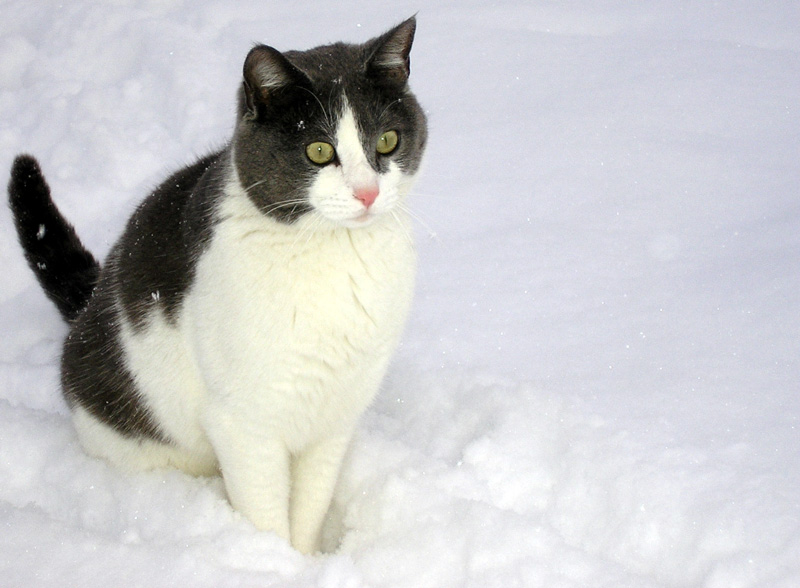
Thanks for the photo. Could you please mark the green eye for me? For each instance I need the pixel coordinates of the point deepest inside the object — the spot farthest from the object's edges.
(387, 142)
(320, 152)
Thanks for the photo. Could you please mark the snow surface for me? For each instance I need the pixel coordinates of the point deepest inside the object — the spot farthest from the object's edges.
(599, 385)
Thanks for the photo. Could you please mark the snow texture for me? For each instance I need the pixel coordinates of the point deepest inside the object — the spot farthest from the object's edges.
(600, 382)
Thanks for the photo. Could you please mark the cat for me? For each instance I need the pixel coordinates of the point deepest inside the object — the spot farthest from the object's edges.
(246, 316)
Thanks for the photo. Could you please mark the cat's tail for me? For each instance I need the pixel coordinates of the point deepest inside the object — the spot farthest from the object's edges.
(64, 267)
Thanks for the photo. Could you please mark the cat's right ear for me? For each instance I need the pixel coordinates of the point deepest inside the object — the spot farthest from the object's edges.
(268, 75)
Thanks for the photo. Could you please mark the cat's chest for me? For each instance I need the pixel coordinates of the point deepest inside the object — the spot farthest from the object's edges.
(285, 295)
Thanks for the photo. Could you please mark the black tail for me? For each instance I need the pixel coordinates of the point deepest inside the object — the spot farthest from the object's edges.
(63, 266)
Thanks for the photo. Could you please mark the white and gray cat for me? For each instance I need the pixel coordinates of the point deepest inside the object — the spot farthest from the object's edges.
(246, 316)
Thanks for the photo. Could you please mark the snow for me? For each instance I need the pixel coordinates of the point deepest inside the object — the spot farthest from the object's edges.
(600, 382)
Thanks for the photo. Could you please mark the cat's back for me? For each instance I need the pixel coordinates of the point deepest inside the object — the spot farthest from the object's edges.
(153, 263)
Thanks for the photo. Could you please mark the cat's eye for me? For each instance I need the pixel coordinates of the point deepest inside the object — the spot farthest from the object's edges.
(320, 152)
(387, 142)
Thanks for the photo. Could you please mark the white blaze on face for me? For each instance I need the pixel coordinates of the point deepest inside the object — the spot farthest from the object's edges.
(357, 171)
(350, 192)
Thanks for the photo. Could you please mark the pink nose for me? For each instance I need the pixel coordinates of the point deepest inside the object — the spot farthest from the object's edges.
(367, 195)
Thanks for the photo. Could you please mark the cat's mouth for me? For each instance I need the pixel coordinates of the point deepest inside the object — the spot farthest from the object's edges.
(364, 217)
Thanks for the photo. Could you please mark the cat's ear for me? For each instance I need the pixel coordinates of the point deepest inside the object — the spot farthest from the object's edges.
(389, 61)
(268, 75)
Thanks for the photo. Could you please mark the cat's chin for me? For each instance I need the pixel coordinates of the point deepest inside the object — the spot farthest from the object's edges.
(359, 220)
(365, 219)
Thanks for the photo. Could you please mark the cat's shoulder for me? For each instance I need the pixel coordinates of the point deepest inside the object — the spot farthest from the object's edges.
(202, 178)
(153, 262)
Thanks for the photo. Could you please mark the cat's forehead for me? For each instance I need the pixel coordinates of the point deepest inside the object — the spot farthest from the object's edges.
(331, 64)
(338, 74)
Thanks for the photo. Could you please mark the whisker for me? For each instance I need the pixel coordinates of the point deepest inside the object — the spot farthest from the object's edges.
(328, 119)
(386, 108)
(258, 183)
(332, 124)
(310, 230)
(418, 218)
(403, 227)
(319, 221)
(285, 204)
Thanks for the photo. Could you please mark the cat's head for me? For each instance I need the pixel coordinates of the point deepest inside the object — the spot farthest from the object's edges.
(334, 130)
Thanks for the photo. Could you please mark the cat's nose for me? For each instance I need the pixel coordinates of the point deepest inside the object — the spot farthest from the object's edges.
(366, 195)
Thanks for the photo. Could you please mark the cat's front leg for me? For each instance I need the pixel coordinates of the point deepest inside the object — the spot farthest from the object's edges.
(256, 472)
(314, 475)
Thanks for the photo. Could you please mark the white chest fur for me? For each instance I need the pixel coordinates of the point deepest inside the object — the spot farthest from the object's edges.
(294, 325)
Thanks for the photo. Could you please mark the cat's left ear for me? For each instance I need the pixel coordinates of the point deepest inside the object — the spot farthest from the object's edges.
(389, 60)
